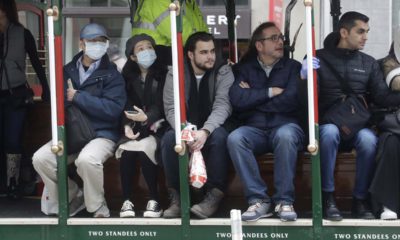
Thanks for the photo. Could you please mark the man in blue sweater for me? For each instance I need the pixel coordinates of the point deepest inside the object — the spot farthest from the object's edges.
(264, 95)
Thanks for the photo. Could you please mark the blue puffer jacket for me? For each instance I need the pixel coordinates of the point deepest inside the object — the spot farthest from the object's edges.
(101, 97)
(253, 105)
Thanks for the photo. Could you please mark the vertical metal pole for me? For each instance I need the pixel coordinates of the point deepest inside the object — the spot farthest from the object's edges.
(335, 13)
(180, 111)
(55, 12)
(313, 122)
(231, 16)
(52, 75)
(175, 73)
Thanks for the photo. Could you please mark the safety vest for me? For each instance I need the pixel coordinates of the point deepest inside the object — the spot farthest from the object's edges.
(152, 18)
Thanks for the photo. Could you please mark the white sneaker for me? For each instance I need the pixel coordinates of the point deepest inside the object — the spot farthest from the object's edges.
(388, 214)
(127, 210)
(77, 204)
(102, 212)
(153, 210)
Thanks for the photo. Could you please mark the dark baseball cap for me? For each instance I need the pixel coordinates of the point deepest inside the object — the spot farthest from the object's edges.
(93, 30)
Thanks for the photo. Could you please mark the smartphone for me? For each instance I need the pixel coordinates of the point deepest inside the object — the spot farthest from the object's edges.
(132, 112)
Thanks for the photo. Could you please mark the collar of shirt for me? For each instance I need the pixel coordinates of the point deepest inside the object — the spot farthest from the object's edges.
(84, 75)
(267, 68)
(198, 80)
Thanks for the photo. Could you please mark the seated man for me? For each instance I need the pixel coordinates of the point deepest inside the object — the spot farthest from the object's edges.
(264, 95)
(341, 61)
(98, 90)
(207, 101)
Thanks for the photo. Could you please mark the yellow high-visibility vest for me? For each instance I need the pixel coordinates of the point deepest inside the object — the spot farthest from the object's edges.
(152, 18)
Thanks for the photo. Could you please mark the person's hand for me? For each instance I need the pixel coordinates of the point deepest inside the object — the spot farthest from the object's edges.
(276, 91)
(45, 94)
(129, 133)
(244, 84)
(70, 91)
(304, 67)
(200, 138)
(140, 116)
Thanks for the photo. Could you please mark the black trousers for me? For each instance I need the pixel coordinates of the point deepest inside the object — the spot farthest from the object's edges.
(385, 186)
(128, 163)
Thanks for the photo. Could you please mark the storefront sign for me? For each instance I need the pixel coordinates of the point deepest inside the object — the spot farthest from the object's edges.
(217, 22)
(276, 12)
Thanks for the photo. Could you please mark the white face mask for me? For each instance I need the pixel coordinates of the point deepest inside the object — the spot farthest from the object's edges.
(146, 58)
(96, 50)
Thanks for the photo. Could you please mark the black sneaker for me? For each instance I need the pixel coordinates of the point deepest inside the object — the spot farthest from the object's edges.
(127, 210)
(153, 210)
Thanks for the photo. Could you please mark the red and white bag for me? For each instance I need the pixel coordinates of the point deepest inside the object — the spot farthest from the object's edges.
(198, 173)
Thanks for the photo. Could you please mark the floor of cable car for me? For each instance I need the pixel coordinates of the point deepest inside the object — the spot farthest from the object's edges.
(29, 208)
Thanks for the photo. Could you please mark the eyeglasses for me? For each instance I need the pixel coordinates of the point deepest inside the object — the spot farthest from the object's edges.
(274, 38)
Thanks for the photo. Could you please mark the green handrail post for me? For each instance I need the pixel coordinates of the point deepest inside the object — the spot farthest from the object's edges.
(316, 191)
(63, 208)
(183, 160)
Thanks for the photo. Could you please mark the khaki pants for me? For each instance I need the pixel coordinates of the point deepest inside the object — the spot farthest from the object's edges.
(89, 163)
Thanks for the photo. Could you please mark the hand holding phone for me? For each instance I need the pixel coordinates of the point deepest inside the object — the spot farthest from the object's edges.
(136, 115)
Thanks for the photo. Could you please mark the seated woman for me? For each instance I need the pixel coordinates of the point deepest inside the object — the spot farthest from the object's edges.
(143, 121)
(385, 187)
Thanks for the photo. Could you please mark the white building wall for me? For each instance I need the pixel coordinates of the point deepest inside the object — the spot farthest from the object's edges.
(259, 14)
(379, 12)
(380, 15)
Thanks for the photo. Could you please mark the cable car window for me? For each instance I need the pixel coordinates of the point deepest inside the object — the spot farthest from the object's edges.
(207, 3)
(96, 3)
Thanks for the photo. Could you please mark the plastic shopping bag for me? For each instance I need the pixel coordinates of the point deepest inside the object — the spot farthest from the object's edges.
(198, 173)
(48, 206)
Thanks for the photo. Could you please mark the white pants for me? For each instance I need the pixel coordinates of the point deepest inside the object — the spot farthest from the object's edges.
(89, 163)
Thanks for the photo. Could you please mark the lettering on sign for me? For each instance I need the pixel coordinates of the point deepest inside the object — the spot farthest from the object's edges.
(214, 21)
(367, 236)
(111, 233)
(217, 22)
(228, 235)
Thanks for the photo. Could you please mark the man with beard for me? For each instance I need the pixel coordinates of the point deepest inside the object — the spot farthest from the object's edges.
(208, 106)
(264, 95)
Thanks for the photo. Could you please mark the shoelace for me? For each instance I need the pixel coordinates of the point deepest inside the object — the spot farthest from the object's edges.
(127, 205)
(284, 208)
(253, 207)
(152, 206)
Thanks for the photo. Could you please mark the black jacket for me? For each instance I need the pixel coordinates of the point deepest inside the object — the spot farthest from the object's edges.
(362, 72)
(149, 98)
(253, 105)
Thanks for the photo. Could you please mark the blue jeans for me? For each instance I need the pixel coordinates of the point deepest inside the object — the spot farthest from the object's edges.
(215, 156)
(365, 143)
(246, 142)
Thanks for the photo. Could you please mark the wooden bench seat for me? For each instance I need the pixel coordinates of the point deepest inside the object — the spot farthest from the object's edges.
(38, 133)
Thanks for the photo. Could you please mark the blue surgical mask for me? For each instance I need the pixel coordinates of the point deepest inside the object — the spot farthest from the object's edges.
(96, 50)
(146, 58)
